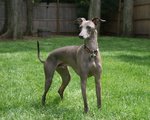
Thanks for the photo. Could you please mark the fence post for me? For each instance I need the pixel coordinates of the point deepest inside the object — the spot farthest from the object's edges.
(57, 17)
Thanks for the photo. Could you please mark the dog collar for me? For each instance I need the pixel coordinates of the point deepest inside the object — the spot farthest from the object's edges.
(93, 53)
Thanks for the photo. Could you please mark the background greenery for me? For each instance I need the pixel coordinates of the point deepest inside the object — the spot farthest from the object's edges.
(108, 7)
(125, 82)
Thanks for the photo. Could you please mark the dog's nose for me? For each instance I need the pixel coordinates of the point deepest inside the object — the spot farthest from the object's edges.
(80, 36)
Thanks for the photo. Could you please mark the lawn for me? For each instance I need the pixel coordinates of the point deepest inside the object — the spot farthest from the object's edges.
(125, 82)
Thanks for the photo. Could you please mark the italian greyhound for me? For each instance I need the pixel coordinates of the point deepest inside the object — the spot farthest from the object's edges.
(84, 59)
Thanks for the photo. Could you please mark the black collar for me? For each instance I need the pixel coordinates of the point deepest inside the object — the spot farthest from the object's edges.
(93, 53)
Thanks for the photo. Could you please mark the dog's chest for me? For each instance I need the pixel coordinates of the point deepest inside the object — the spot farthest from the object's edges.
(92, 68)
(92, 63)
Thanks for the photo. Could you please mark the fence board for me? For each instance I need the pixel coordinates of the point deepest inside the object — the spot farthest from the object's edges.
(141, 18)
(141, 28)
(142, 12)
(141, 2)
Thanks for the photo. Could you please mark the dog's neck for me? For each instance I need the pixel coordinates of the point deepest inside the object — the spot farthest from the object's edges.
(91, 42)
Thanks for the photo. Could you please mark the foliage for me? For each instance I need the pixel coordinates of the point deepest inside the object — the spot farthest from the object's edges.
(83, 7)
(61, 1)
(125, 82)
(36, 1)
(109, 8)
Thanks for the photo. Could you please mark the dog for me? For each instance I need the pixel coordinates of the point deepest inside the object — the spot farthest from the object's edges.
(84, 59)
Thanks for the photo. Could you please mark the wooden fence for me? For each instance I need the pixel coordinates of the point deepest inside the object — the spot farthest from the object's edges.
(59, 18)
(141, 20)
(56, 18)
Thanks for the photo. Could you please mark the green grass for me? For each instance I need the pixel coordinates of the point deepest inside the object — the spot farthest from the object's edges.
(125, 82)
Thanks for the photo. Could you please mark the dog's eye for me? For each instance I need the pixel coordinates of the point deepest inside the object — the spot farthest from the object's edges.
(88, 27)
(80, 28)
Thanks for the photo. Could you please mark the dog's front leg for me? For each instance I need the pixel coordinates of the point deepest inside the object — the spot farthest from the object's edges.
(98, 86)
(83, 88)
(98, 91)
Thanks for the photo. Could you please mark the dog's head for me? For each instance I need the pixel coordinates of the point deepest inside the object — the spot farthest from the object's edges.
(87, 27)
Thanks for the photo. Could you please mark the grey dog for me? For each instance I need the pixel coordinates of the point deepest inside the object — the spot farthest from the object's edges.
(84, 59)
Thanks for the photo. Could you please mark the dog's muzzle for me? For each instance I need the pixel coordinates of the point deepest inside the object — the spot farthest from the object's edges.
(81, 37)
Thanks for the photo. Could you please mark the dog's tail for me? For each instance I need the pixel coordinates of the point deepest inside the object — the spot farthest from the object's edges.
(38, 54)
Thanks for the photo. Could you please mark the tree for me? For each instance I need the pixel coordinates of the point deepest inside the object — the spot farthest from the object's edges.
(82, 8)
(128, 18)
(4, 29)
(29, 10)
(94, 9)
(13, 22)
(109, 8)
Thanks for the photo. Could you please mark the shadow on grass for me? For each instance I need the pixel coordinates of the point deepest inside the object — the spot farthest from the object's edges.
(54, 109)
(105, 44)
(122, 44)
(18, 47)
(134, 59)
(46, 45)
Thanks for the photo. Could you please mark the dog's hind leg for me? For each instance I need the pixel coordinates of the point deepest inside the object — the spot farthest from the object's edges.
(64, 73)
(49, 69)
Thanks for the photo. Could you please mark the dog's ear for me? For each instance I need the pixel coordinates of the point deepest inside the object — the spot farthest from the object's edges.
(97, 20)
(80, 20)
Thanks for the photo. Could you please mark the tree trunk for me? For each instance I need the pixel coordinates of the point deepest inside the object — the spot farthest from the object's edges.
(14, 19)
(119, 18)
(5, 26)
(128, 18)
(95, 10)
(29, 8)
